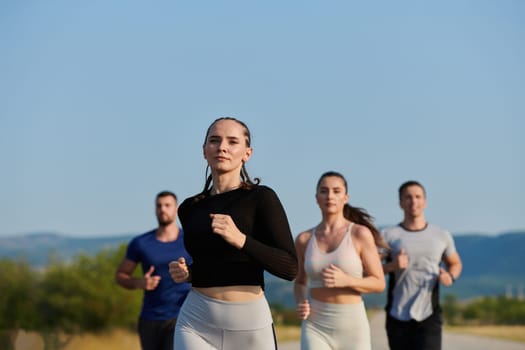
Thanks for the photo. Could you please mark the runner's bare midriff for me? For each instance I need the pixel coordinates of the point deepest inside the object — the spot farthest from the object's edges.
(336, 295)
(232, 293)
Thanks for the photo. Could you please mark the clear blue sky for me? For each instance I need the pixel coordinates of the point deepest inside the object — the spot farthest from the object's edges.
(105, 103)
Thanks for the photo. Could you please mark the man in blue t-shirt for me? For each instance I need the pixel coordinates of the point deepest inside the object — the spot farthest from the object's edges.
(154, 250)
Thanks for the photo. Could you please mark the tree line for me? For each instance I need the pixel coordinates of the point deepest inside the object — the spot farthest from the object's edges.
(65, 298)
(499, 310)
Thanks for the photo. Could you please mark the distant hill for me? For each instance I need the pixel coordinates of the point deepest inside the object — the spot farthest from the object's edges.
(37, 248)
(492, 265)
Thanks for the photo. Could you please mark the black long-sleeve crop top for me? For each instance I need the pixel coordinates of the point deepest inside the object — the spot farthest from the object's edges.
(259, 214)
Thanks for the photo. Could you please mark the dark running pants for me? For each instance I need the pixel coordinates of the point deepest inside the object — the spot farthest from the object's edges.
(156, 334)
(414, 335)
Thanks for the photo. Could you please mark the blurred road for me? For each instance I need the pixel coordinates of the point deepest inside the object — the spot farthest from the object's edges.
(451, 341)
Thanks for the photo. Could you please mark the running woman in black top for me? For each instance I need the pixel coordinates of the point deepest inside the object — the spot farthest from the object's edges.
(235, 229)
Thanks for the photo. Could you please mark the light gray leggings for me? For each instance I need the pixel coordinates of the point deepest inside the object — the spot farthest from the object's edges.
(205, 323)
(336, 326)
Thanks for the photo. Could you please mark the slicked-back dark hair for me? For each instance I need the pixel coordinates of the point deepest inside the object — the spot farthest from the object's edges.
(409, 183)
(166, 194)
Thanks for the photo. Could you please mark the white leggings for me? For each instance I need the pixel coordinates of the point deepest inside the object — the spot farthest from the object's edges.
(336, 326)
(205, 323)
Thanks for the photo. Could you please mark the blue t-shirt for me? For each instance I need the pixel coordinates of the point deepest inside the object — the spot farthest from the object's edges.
(164, 302)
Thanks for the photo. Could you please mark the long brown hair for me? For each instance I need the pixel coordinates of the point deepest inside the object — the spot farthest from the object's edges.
(358, 215)
(246, 181)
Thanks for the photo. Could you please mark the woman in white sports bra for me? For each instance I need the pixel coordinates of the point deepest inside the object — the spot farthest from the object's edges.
(338, 261)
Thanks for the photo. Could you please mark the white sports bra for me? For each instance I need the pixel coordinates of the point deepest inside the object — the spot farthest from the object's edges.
(344, 256)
